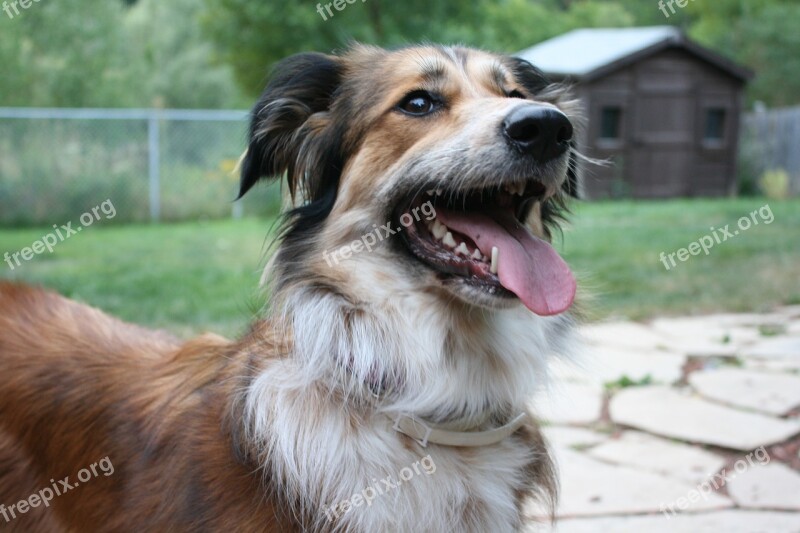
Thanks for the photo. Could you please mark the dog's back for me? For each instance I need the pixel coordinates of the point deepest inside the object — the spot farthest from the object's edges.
(127, 417)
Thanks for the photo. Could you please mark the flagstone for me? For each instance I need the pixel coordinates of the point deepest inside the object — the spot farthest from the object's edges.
(792, 311)
(601, 365)
(783, 346)
(748, 319)
(673, 459)
(624, 335)
(569, 403)
(774, 394)
(697, 329)
(772, 486)
(569, 437)
(594, 488)
(670, 413)
(727, 521)
(784, 366)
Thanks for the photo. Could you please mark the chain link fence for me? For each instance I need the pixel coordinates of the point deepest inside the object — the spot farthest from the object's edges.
(154, 165)
(172, 165)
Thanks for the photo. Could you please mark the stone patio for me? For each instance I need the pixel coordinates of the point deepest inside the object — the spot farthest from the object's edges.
(680, 425)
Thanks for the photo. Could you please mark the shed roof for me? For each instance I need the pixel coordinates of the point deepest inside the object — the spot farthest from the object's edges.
(592, 52)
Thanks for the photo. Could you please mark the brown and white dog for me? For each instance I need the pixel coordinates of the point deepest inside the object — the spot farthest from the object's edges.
(388, 344)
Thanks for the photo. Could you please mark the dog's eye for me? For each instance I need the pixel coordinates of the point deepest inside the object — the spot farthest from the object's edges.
(419, 103)
(517, 94)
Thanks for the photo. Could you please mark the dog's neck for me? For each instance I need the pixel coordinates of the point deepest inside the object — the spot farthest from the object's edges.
(314, 422)
(422, 354)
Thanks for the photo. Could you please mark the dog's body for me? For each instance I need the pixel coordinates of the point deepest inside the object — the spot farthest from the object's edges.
(274, 432)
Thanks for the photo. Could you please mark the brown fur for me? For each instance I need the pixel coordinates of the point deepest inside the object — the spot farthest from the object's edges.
(78, 386)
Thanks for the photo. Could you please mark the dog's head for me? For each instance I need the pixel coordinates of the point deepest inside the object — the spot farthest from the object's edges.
(436, 169)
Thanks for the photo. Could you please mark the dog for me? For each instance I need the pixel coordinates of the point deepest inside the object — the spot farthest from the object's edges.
(415, 302)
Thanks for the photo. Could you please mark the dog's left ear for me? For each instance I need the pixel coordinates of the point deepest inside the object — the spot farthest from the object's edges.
(536, 82)
(289, 128)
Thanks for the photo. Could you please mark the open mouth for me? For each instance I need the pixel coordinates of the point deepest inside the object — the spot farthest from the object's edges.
(478, 238)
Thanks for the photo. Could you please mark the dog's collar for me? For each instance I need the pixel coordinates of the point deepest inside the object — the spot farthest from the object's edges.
(428, 433)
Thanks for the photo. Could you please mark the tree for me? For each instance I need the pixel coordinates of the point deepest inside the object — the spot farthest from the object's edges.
(68, 54)
(761, 34)
(177, 56)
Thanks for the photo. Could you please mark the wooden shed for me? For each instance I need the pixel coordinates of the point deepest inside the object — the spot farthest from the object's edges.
(665, 110)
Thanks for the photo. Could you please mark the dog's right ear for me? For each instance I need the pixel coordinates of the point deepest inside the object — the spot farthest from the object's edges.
(289, 124)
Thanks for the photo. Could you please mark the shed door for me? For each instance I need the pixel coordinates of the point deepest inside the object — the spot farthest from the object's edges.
(662, 154)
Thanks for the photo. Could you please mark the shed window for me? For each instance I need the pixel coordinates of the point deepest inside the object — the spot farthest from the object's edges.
(611, 123)
(715, 124)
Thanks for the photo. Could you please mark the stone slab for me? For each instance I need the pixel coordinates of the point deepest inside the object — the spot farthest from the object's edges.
(601, 364)
(672, 459)
(784, 366)
(728, 521)
(594, 488)
(748, 319)
(704, 330)
(777, 347)
(773, 394)
(670, 413)
(629, 335)
(773, 486)
(792, 311)
(569, 437)
(569, 403)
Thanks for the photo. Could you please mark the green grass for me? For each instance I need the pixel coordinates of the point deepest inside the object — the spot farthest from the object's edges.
(615, 249)
(203, 276)
(183, 277)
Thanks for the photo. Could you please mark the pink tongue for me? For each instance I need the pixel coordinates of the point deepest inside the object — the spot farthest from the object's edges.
(528, 266)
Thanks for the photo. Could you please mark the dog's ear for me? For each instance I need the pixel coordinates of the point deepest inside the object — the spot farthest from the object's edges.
(530, 77)
(289, 125)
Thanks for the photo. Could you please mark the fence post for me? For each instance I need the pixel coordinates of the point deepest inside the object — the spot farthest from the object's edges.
(154, 165)
(238, 210)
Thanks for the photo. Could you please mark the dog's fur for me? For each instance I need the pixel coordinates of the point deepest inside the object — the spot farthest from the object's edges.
(266, 433)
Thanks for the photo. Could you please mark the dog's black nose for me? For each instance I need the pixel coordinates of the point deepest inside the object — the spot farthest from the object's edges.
(542, 132)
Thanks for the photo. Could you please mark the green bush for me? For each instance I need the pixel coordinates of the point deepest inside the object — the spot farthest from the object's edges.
(775, 184)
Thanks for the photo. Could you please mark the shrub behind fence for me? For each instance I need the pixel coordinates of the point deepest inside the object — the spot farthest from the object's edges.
(770, 142)
(162, 165)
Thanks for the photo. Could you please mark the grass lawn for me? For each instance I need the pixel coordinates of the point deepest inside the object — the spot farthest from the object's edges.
(204, 275)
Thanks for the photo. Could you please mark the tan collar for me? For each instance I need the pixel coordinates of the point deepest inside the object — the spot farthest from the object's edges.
(424, 433)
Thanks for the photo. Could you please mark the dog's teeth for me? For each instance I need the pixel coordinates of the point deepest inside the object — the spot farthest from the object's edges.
(477, 255)
(495, 260)
(431, 192)
(439, 192)
(463, 250)
(439, 230)
(449, 241)
(517, 189)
